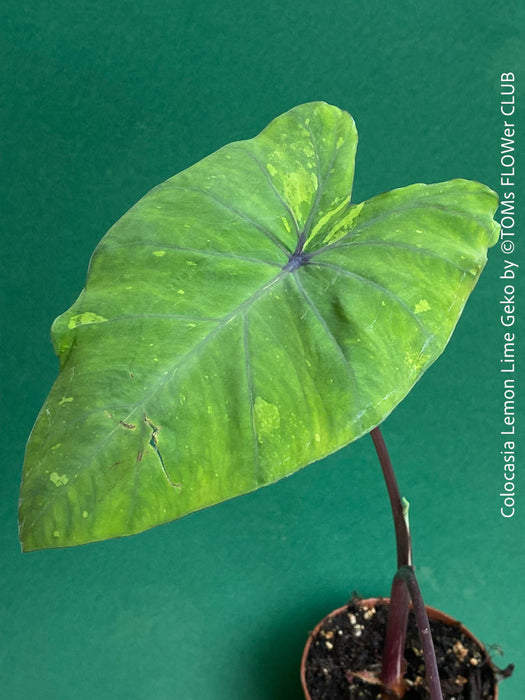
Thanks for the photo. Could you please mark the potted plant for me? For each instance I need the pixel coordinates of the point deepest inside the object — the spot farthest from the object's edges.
(359, 650)
(241, 321)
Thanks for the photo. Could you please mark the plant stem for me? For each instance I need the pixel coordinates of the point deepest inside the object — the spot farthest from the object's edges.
(403, 541)
(408, 578)
(404, 589)
(393, 666)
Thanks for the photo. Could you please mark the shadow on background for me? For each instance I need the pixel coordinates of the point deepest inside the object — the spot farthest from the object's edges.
(277, 654)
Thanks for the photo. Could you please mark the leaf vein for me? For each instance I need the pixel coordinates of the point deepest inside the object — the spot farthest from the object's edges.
(184, 249)
(381, 288)
(189, 355)
(326, 328)
(385, 215)
(251, 398)
(285, 204)
(406, 246)
(321, 181)
(235, 211)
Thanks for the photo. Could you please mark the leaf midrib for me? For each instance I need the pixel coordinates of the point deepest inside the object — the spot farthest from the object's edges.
(359, 228)
(141, 403)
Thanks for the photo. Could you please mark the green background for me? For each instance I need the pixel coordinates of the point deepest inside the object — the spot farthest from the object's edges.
(104, 101)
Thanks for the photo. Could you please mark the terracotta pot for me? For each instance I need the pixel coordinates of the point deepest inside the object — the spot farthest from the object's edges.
(432, 613)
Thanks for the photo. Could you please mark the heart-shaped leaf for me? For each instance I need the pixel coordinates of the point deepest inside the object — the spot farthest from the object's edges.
(241, 321)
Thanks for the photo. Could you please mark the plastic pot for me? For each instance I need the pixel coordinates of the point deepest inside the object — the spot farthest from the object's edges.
(372, 604)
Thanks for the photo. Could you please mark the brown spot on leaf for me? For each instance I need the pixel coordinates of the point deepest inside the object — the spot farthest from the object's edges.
(129, 426)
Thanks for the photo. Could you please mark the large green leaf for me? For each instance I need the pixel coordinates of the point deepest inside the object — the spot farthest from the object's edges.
(241, 321)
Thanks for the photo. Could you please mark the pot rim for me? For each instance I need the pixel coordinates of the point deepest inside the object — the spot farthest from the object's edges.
(433, 614)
